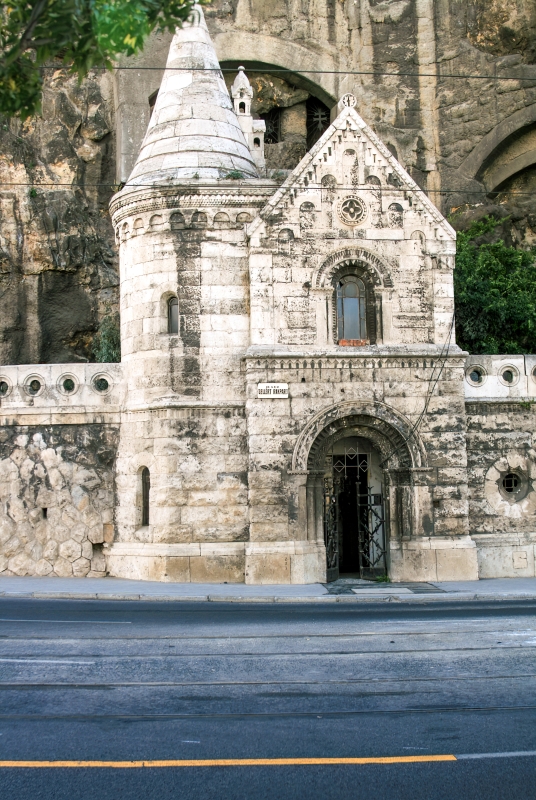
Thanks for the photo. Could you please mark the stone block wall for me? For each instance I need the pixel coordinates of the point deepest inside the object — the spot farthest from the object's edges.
(500, 442)
(199, 518)
(56, 498)
(428, 501)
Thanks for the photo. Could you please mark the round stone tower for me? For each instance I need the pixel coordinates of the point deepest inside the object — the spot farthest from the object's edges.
(180, 221)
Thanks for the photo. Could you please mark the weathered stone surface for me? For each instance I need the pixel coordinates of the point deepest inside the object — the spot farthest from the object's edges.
(502, 28)
(58, 268)
(45, 520)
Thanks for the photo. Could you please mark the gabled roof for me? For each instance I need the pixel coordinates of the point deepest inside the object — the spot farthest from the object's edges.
(194, 131)
(308, 175)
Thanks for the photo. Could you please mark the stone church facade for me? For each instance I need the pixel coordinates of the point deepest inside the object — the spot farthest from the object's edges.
(291, 404)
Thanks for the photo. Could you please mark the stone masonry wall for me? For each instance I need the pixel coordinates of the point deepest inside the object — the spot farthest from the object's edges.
(500, 440)
(56, 499)
(199, 521)
(355, 387)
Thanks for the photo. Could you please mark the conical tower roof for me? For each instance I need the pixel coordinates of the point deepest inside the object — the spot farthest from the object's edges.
(194, 131)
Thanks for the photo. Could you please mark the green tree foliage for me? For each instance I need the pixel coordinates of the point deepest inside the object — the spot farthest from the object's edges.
(495, 294)
(107, 344)
(83, 33)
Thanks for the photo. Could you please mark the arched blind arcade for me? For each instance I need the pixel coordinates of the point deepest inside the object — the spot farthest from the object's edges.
(351, 309)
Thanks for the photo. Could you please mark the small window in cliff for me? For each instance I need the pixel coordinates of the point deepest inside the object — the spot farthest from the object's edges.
(273, 126)
(152, 103)
(173, 315)
(317, 120)
(145, 491)
(351, 310)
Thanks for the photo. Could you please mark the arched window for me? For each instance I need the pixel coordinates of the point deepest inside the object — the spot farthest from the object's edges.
(145, 491)
(351, 309)
(173, 315)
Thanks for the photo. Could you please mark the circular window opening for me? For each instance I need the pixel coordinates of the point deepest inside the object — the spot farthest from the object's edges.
(476, 375)
(34, 386)
(508, 376)
(4, 388)
(101, 385)
(68, 385)
(511, 483)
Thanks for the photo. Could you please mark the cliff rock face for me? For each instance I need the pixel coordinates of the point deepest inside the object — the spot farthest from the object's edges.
(58, 272)
(470, 142)
(503, 28)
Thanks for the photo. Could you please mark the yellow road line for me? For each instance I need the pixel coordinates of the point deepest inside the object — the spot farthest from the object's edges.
(225, 762)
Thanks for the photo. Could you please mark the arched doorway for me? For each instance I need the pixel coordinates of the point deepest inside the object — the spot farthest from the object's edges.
(355, 524)
(360, 461)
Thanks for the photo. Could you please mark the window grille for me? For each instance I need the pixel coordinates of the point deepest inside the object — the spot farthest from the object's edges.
(317, 120)
(273, 126)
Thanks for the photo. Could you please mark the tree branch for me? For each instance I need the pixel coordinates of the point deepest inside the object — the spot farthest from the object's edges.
(36, 43)
(26, 38)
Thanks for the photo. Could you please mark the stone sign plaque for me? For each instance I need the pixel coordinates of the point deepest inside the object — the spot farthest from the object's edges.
(272, 390)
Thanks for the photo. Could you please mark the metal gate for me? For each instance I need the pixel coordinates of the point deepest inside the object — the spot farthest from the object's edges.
(366, 526)
(371, 532)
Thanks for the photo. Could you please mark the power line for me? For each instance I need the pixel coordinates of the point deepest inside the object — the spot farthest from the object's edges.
(432, 383)
(245, 184)
(270, 70)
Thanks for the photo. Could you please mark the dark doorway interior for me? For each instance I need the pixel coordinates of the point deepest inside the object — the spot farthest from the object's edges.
(353, 488)
(354, 512)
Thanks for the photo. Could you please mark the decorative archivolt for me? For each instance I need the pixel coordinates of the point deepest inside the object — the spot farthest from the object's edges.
(389, 431)
(371, 266)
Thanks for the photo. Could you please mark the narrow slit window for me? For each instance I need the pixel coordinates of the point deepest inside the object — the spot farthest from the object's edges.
(173, 315)
(145, 492)
(351, 309)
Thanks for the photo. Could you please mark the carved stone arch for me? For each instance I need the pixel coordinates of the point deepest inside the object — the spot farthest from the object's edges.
(377, 271)
(390, 432)
(516, 122)
(140, 460)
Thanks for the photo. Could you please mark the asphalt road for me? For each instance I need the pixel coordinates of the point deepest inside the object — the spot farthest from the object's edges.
(126, 682)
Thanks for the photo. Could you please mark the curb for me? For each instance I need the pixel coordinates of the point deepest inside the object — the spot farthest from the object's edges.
(433, 597)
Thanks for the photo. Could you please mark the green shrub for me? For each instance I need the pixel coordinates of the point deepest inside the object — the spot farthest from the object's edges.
(495, 294)
(107, 342)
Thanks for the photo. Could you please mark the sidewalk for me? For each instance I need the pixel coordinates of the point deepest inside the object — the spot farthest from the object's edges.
(342, 591)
